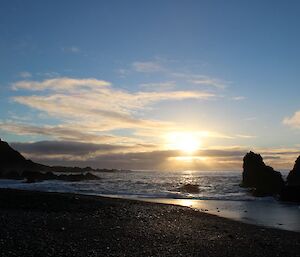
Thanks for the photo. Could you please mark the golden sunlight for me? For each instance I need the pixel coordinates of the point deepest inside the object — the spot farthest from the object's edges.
(187, 142)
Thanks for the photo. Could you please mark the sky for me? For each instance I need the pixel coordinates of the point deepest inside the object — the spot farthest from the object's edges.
(166, 85)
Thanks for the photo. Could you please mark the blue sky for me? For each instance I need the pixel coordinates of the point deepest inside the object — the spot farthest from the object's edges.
(128, 74)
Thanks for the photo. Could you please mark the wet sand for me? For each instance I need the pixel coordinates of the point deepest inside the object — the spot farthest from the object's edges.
(59, 224)
(275, 214)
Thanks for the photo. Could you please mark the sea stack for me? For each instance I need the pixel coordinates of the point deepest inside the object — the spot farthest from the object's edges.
(262, 178)
(293, 179)
(291, 191)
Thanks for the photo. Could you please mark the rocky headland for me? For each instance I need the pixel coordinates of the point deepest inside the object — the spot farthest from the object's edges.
(14, 165)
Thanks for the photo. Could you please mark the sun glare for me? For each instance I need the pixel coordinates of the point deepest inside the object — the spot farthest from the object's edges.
(184, 141)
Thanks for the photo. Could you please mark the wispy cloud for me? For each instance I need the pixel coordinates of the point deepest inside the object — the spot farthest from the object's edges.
(199, 79)
(148, 67)
(158, 86)
(25, 74)
(238, 98)
(208, 82)
(87, 107)
(162, 66)
(250, 118)
(67, 93)
(245, 136)
(49, 74)
(71, 49)
(59, 84)
(293, 121)
(62, 132)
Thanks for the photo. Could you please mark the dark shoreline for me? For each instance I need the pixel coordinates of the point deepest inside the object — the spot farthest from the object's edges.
(64, 224)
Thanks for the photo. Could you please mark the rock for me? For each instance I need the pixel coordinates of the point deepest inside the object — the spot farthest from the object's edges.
(264, 179)
(291, 191)
(77, 177)
(33, 176)
(11, 162)
(190, 188)
(293, 179)
(14, 166)
(290, 194)
(12, 174)
(8, 154)
(90, 176)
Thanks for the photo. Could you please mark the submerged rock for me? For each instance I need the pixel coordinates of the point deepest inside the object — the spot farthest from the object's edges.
(190, 188)
(264, 179)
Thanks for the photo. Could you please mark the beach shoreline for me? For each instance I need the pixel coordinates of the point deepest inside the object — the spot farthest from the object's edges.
(281, 215)
(245, 208)
(65, 224)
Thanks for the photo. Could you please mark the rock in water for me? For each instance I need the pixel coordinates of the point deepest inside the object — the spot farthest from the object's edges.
(33, 176)
(190, 188)
(264, 179)
(291, 191)
(293, 179)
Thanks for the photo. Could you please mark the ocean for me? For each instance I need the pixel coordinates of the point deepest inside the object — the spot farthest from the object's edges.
(219, 194)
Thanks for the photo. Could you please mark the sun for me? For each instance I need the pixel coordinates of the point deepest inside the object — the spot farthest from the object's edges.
(184, 141)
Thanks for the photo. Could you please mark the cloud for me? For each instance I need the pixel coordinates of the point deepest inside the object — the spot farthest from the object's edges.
(208, 81)
(25, 74)
(94, 102)
(159, 86)
(199, 79)
(135, 156)
(48, 74)
(245, 136)
(47, 148)
(108, 111)
(250, 118)
(293, 121)
(63, 132)
(159, 65)
(87, 110)
(147, 67)
(60, 84)
(71, 49)
(123, 72)
(138, 156)
(238, 98)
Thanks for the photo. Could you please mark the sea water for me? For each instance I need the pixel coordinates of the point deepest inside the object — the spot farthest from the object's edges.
(219, 194)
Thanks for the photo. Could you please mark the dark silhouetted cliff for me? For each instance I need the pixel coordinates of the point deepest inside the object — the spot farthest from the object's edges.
(14, 166)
